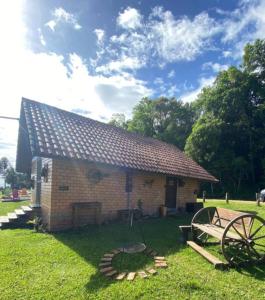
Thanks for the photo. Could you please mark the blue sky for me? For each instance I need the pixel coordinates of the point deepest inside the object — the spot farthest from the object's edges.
(99, 57)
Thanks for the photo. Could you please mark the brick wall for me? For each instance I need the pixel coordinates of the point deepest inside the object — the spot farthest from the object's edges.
(68, 183)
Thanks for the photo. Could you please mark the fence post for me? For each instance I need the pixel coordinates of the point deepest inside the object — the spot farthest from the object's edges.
(258, 199)
(226, 198)
(203, 196)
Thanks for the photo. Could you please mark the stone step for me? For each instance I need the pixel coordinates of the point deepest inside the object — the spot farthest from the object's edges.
(131, 276)
(26, 208)
(121, 276)
(142, 274)
(4, 219)
(20, 212)
(12, 216)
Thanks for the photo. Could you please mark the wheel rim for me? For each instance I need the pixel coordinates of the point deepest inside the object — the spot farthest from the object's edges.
(244, 240)
(203, 216)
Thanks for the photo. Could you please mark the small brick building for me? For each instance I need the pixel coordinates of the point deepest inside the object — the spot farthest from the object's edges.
(85, 171)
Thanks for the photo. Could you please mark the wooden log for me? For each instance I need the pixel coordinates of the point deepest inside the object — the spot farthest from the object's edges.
(211, 258)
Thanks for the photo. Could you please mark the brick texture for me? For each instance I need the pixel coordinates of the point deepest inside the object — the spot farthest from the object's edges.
(70, 182)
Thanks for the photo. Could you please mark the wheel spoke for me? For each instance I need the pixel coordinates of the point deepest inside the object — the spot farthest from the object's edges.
(254, 250)
(238, 232)
(250, 226)
(256, 231)
(244, 228)
(260, 245)
(258, 238)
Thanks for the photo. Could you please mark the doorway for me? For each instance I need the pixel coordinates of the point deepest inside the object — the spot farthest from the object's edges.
(171, 192)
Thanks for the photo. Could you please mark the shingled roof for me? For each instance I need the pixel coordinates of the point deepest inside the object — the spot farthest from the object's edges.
(47, 131)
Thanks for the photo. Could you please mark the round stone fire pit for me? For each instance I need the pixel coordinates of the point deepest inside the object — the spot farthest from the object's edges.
(107, 269)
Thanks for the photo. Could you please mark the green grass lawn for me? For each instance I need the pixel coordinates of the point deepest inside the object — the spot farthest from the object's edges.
(7, 207)
(64, 265)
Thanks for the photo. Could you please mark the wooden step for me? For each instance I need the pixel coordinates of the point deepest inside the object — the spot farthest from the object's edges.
(26, 208)
(218, 264)
(20, 212)
(12, 216)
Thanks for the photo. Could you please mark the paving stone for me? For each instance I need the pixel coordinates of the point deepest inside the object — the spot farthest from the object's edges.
(106, 259)
(111, 273)
(131, 276)
(115, 251)
(142, 274)
(108, 255)
(4, 219)
(151, 271)
(159, 257)
(105, 264)
(121, 276)
(106, 270)
(161, 265)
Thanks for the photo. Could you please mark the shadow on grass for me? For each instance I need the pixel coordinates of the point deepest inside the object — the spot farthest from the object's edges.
(162, 235)
(92, 242)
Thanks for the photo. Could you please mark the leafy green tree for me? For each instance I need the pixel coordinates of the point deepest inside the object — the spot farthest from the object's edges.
(254, 59)
(166, 119)
(228, 138)
(118, 120)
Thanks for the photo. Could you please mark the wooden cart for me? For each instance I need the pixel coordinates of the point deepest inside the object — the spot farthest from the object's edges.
(241, 235)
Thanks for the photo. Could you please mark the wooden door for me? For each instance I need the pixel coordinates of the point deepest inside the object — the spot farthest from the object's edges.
(171, 192)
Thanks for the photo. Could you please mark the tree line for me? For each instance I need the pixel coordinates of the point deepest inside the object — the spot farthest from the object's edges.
(223, 129)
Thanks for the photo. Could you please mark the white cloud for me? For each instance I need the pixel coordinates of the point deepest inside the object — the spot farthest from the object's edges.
(124, 63)
(171, 74)
(192, 95)
(42, 40)
(172, 91)
(159, 80)
(162, 39)
(46, 77)
(244, 25)
(62, 16)
(130, 18)
(215, 67)
(100, 33)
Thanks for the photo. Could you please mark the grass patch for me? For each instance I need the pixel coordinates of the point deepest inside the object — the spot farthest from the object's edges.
(7, 207)
(64, 265)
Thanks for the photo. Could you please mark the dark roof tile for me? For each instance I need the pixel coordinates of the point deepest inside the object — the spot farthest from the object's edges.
(53, 132)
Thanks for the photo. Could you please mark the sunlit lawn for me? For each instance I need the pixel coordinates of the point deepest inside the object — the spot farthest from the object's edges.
(6, 207)
(64, 265)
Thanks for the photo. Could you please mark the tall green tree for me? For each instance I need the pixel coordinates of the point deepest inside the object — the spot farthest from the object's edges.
(166, 119)
(228, 138)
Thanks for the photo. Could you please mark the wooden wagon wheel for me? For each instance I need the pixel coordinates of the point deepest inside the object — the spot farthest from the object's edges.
(243, 240)
(203, 216)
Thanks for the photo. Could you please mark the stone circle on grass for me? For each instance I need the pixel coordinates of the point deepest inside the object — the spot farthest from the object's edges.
(107, 269)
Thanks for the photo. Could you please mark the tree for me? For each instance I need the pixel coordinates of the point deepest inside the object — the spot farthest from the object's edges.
(254, 59)
(118, 120)
(228, 137)
(166, 119)
(4, 163)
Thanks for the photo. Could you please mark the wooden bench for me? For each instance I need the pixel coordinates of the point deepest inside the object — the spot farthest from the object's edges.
(242, 235)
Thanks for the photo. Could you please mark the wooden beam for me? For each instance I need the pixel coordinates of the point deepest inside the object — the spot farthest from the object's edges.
(218, 264)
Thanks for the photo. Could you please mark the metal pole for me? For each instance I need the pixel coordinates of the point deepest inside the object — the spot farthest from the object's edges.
(9, 118)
